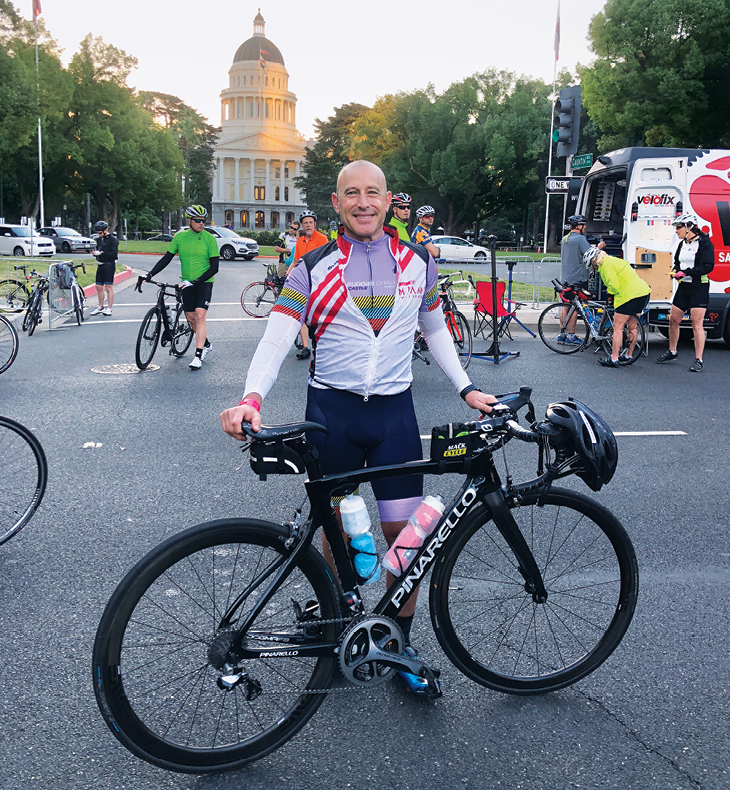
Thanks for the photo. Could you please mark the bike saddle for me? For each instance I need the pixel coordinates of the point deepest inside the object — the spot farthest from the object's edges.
(269, 432)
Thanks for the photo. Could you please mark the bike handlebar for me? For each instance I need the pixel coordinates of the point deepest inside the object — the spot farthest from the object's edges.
(141, 279)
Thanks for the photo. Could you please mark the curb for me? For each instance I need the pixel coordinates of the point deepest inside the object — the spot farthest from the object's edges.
(119, 277)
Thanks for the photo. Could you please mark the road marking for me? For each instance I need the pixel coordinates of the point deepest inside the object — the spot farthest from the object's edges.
(138, 320)
(152, 304)
(626, 433)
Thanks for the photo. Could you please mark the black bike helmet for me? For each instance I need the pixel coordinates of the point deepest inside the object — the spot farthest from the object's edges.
(100, 226)
(593, 442)
(575, 220)
(402, 200)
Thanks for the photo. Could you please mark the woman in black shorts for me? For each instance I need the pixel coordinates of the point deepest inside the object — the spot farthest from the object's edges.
(693, 261)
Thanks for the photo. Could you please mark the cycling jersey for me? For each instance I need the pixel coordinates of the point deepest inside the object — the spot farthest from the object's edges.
(305, 245)
(362, 302)
(401, 227)
(696, 258)
(421, 235)
(572, 269)
(195, 251)
(621, 280)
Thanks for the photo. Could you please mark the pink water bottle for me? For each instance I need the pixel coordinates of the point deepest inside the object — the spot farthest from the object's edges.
(420, 525)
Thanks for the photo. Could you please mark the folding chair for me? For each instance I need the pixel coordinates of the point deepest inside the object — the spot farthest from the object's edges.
(483, 308)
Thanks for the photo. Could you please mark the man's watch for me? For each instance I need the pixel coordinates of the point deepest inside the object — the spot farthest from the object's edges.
(467, 390)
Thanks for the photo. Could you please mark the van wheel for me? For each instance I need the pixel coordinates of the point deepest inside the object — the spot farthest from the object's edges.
(19, 252)
(228, 253)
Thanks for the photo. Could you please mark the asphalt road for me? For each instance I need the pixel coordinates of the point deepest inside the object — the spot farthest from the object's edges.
(655, 715)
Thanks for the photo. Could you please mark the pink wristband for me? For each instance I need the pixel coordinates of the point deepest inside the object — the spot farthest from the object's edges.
(250, 402)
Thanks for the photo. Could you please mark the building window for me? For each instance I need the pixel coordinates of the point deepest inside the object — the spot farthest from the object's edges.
(277, 194)
(231, 191)
(229, 218)
(274, 220)
(286, 172)
(259, 193)
(289, 218)
(266, 82)
(250, 108)
(244, 219)
(260, 219)
(277, 173)
(286, 194)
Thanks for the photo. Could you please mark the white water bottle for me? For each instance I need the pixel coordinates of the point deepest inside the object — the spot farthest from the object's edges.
(420, 525)
(356, 523)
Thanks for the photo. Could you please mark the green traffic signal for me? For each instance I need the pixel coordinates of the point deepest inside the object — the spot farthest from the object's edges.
(556, 135)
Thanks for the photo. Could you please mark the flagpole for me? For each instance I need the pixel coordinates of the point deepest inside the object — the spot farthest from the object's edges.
(40, 144)
(552, 126)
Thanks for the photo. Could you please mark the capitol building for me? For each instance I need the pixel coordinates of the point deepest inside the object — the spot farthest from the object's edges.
(259, 151)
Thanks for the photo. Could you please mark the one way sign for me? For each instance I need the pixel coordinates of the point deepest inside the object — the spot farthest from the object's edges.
(557, 186)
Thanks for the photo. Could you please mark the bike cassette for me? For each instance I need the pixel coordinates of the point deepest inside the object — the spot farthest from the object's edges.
(367, 649)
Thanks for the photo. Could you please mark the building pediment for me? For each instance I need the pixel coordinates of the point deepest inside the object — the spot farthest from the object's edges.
(259, 142)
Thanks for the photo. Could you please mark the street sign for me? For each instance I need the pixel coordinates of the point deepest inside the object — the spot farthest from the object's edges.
(554, 185)
(584, 160)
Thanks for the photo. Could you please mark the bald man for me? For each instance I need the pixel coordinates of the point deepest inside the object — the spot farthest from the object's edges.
(362, 296)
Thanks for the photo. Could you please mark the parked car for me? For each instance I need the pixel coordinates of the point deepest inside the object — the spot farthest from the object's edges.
(68, 240)
(456, 247)
(161, 237)
(17, 240)
(231, 245)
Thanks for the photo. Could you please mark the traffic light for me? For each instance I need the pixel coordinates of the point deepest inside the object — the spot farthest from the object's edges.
(566, 131)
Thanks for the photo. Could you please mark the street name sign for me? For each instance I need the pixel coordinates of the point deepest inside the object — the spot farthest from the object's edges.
(584, 160)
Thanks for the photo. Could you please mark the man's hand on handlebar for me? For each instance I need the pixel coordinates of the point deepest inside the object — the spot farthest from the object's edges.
(480, 401)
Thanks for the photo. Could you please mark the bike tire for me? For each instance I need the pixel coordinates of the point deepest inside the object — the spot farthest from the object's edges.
(489, 626)
(14, 296)
(258, 299)
(156, 630)
(549, 327)
(148, 338)
(28, 311)
(461, 337)
(36, 310)
(605, 330)
(182, 333)
(8, 344)
(78, 309)
(25, 474)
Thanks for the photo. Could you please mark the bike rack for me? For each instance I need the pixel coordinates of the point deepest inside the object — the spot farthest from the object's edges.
(59, 299)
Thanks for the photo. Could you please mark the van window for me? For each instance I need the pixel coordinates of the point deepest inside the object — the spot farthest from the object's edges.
(656, 174)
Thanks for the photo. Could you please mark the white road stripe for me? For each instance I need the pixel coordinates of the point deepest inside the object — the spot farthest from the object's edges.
(89, 322)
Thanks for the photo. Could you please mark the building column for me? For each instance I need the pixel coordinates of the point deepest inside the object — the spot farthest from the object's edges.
(236, 173)
(268, 181)
(252, 169)
(294, 189)
(220, 161)
(282, 182)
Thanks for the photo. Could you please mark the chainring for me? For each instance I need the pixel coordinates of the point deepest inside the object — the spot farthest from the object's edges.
(365, 641)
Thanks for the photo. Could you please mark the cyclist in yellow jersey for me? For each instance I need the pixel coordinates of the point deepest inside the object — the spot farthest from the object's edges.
(198, 252)
(401, 205)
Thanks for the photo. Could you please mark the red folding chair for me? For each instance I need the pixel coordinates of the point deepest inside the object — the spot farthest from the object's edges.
(483, 309)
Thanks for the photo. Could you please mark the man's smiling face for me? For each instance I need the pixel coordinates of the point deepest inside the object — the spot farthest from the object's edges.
(362, 200)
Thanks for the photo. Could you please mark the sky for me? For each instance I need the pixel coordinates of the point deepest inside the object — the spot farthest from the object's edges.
(335, 52)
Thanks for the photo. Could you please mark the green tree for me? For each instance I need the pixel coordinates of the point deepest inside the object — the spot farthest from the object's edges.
(332, 151)
(662, 74)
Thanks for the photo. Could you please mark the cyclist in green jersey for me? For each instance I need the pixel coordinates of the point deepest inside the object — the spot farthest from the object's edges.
(401, 205)
(199, 256)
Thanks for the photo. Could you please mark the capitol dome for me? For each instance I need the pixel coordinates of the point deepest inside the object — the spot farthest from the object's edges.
(256, 47)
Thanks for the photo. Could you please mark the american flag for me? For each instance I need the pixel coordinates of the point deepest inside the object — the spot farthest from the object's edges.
(262, 52)
(36, 9)
(557, 34)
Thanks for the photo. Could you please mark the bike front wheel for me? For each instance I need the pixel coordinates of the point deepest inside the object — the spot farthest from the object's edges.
(490, 626)
(147, 339)
(182, 333)
(14, 296)
(78, 304)
(154, 681)
(258, 299)
(605, 330)
(8, 344)
(553, 325)
(25, 472)
(461, 336)
(35, 313)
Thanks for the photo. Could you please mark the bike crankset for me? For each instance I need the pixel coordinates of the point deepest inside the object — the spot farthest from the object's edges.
(369, 650)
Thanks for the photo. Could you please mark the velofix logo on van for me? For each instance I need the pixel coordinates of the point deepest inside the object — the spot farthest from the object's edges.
(657, 200)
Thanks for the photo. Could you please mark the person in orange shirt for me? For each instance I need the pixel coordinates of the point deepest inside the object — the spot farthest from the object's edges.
(311, 239)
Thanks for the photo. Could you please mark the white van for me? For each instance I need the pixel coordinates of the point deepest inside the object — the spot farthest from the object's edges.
(630, 198)
(17, 240)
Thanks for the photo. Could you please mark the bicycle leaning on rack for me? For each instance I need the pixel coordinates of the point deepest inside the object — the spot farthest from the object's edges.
(24, 473)
(160, 326)
(70, 284)
(456, 323)
(221, 643)
(14, 294)
(594, 322)
(34, 309)
(8, 343)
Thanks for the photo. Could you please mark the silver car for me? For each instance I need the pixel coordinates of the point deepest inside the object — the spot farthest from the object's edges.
(68, 240)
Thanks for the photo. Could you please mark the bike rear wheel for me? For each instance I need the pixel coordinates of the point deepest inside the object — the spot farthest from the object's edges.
(8, 344)
(489, 625)
(147, 339)
(24, 473)
(461, 335)
(258, 299)
(182, 333)
(553, 329)
(14, 296)
(35, 312)
(153, 677)
(605, 330)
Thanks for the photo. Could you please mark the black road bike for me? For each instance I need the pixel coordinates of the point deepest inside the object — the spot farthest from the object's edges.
(221, 643)
(24, 475)
(8, 344)
(160, 326)
(34, 306)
